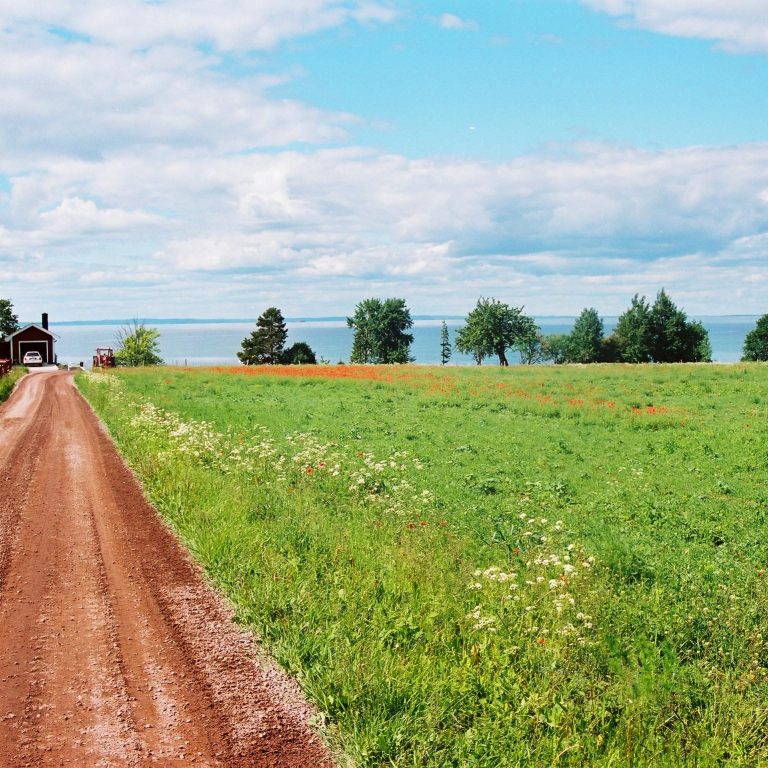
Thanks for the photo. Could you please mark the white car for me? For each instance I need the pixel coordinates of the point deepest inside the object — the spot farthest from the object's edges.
(32, 358)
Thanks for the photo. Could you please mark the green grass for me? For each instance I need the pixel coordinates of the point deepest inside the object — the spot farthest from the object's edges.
(8, 382)
(564, 566)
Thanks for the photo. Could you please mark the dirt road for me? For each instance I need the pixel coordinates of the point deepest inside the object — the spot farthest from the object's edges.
(113, 650)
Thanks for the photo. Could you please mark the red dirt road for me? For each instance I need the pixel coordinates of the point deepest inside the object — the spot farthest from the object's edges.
(113, 650)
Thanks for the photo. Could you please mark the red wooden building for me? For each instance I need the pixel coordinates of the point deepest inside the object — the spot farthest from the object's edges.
(30, 337)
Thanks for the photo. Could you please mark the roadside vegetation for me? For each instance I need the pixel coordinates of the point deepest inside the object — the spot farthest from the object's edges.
(8, 381)
(482, 567)
(138, 345)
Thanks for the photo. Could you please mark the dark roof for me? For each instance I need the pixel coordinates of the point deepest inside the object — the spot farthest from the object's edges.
(30, 325)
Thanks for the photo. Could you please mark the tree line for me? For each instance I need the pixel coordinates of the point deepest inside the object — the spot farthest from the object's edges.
(659, 332)
(645, 332)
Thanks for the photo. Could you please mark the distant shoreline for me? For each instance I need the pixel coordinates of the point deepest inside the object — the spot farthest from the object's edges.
(334, 318)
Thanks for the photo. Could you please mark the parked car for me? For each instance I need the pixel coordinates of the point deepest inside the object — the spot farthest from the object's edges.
(32, 358)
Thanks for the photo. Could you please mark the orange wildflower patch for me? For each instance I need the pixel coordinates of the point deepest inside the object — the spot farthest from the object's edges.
(420, 376)
(650, 410)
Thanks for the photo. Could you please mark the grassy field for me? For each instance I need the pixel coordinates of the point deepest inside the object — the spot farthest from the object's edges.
(482, 567)
(8, 382)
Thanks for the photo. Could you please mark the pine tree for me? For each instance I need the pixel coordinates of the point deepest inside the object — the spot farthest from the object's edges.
(633, 332)
(585, 342)
(265, 345)
(445, 344)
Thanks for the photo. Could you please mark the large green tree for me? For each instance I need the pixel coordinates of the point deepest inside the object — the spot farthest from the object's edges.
(756, 342)
(492, 328)
(380, 332)
(669, 343)
(9, 323)
(586, 339)
(633, 332)
(138, 345)
(265, 344)
(660, 333)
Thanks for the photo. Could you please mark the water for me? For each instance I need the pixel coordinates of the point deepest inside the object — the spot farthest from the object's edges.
(216, 343)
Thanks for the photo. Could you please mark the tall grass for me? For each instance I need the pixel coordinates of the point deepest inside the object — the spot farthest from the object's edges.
(479, 567)
(8, 382)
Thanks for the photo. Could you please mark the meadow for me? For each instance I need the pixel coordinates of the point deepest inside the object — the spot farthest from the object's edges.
(481, 567)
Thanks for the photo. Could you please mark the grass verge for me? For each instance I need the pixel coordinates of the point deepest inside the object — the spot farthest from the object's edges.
(8, 382)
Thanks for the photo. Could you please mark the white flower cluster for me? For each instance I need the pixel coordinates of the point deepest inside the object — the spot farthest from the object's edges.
(384, 478)
(547, 590)
(383, 481)
(100, 378)
(487, 623)
(313, 455)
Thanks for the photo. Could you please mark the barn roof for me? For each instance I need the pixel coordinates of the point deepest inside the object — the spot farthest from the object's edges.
(27, 326)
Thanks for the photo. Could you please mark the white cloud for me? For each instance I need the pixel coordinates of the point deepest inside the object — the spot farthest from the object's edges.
(736, 25)
(451, 21)
(555, 231)
(74, 216)
(89, 99)
(241, 25)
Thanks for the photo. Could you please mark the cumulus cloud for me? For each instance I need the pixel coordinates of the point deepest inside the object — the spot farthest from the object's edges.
(553, 230)
(736, 25)
(242, 25)
(74, 216)
(88, 99)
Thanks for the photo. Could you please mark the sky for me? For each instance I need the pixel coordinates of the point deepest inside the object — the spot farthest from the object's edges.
(185, 158)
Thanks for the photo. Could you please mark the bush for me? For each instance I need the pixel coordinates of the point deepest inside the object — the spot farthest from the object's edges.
(299, 353)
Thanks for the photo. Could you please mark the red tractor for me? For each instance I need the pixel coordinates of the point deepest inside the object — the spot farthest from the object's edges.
(104, 358)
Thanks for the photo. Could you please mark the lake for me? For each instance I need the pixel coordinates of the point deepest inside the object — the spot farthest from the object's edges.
(217, 342)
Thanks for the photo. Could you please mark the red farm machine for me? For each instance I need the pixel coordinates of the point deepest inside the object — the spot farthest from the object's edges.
(104, 358)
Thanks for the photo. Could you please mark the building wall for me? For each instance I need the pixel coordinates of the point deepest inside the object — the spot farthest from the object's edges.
(33, 338)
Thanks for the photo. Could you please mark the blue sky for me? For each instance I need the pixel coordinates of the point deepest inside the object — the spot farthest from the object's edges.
(520, 75)
(165, 159)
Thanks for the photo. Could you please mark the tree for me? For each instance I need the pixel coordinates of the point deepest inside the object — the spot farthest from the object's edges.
(492, 328)
(698, 348)
(660, 333)
(756, 342)
(533, 349)
(9, 323)
(380, 332)
(471, 340)
(299, 353)
(586, 338)
(138, 345)
(529, 342)
(633, 332)
(556, 347)
(265, 345)
(668, 331)
(609, 350)
(445, 344)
